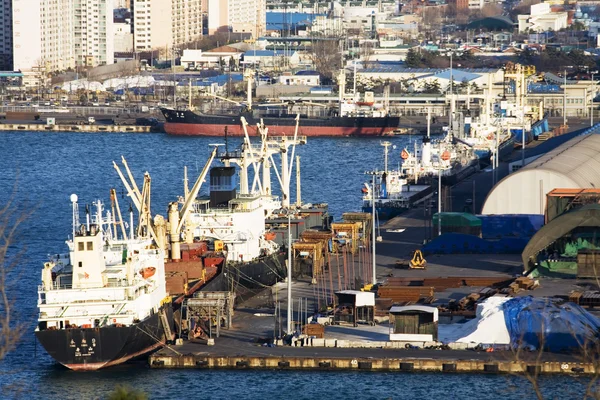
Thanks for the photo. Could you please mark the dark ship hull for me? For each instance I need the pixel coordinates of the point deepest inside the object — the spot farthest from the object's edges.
(192, 124)
(245, 278)
(505, 149)
(95, 348)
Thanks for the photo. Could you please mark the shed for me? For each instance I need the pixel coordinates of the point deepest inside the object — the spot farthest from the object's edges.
(414, 323)
(354, 306)
(574, 164)
(587, 216)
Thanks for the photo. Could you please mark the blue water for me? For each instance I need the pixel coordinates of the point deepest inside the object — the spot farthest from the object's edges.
(38, 173)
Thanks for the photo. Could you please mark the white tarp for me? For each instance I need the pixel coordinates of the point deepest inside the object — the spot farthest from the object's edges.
(129, 82)
(488, 326)
(83, 84)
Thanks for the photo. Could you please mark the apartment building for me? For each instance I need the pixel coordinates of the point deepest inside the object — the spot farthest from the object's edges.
(6, 50)
(55, 35)
(152, 24)
(93, 28)
(187, 20)
(162, 24)
(248, 16)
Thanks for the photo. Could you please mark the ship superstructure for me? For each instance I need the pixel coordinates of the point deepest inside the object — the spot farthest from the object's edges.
(104, 302)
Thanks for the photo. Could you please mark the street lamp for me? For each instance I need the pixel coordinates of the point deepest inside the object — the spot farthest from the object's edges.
(289, 275)
(592, 95)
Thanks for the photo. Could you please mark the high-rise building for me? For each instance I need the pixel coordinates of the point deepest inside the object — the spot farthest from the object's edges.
(248, 16)
(187, 20)
(162, 24)
(55, 35)
(93, 32)
(6, 50)
(152, 21)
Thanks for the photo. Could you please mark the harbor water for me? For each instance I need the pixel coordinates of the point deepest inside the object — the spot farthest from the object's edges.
(40, 170)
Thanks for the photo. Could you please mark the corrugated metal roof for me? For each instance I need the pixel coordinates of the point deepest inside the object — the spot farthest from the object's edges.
(406, 70)
(578, 159)
(572, 165)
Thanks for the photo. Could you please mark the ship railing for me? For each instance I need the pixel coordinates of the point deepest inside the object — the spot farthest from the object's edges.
(56, 286)
(282, 139)
(221, 211)
(126, 298)
(45, 316)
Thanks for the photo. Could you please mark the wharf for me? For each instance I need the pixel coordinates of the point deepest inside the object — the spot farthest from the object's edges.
(74, 128)
(367, 348)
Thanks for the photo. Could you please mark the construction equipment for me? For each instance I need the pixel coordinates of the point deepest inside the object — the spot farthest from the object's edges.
(417, 261)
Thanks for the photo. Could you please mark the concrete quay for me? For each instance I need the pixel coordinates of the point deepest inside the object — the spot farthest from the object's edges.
(368, 364)
(74, 128)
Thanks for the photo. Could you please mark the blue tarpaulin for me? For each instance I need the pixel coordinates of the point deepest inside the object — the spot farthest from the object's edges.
(498, 226)
(540, 322)
(460, 243)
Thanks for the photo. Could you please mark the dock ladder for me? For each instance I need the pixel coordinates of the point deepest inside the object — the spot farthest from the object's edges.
(165, 323)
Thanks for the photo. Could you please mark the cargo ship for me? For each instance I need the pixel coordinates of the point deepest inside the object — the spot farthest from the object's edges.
(221, 240)
(353, 116)
(392, 192)
(451, 157)
(104, 302)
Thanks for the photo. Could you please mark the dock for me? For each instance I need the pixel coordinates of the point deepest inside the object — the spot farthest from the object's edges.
(246, 346)
(74, 128)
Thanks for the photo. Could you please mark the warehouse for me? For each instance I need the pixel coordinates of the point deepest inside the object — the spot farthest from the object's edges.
(574, 164)
(563, 246)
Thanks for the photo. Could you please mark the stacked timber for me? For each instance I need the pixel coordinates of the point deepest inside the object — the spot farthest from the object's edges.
(315, 330)
(176, 283)
(405, 293)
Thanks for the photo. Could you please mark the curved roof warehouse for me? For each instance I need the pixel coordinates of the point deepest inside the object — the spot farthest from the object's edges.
(574, 164)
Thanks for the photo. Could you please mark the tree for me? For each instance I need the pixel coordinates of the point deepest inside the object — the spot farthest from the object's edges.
(432, 87)
(366, 52)
(413, 59)
(10, 225)
(326, 58)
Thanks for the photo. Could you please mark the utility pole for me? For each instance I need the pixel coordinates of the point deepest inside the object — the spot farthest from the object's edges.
(374, 280)
(289, 276)
(565, 100)
(592, 95)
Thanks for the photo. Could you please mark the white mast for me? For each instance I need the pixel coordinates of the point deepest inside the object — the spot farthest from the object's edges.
(298, 192)
(374, 278)
(75, 213)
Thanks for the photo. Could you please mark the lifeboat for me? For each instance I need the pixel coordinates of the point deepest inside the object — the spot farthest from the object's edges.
(270, 236)
(147, 272)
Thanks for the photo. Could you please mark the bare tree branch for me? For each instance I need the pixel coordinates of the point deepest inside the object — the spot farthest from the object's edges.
(11, 252)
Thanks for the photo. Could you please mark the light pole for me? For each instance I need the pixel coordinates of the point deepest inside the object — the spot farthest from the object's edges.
(289, 276)
(374, 278)
(592, 92)
(565, 100)
(440, 193)
(174, 81)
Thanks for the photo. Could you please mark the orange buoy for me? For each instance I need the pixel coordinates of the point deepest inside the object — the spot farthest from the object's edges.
(446, 155)
(404, 154)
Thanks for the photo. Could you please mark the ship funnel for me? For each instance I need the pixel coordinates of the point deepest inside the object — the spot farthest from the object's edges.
(426, 151)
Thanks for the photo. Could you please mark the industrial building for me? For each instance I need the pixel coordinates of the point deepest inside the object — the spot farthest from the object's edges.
(572, 165)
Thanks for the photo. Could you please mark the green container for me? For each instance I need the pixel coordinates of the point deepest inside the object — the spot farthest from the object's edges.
(457, 219)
